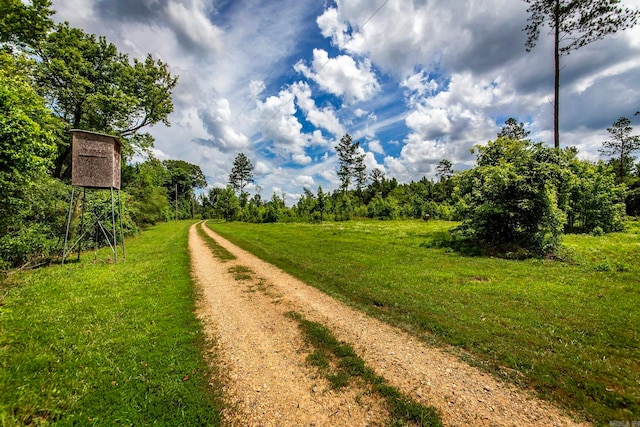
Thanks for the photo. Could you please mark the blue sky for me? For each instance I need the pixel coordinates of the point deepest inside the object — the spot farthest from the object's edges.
(415, 81)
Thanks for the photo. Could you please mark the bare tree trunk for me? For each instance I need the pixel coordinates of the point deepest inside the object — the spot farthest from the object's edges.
(556, 101)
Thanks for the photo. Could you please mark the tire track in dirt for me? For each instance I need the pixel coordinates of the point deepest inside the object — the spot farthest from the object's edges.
(266, 353)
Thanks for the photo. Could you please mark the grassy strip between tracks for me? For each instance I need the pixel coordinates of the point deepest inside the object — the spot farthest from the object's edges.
(341, 365)
(218, 251)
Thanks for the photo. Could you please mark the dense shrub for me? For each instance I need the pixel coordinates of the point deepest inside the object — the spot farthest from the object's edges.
(521, 195)
(510, 200)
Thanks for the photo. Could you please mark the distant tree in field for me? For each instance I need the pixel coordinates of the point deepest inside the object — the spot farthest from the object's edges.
(514, 130)
(360, 172)
(510, 198)
(306, 205)
(241, 173)
(444, 169)
(589, 195)
(276, 209)
(621, 145)
(376, 176)
(351, 161)
(226, 203)
(321, 203)
(182, 181)
(574, 24)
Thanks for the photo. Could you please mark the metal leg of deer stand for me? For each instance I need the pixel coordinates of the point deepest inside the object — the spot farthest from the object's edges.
(113, 223)
(84, 202)
(124, 253)
(66, 233)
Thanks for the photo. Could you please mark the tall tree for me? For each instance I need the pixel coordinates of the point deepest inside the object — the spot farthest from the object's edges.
(444, 169)
(92, 86)
(621, 145)
(24, 25)
(514, 130)
(321, 203)
(351, 161)
(26, 143)
(574, 24)
(183, 179)
(241, 173)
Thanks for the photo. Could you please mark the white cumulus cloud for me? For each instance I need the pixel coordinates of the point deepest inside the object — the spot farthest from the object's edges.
(341, 76)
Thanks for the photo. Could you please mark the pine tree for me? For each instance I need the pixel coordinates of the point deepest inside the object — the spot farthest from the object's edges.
(352, 165)
(622, 145)
(513, 130)
(574, 24)
(241, 173)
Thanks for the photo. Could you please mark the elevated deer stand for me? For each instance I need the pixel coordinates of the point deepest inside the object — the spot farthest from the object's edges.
(95, 164)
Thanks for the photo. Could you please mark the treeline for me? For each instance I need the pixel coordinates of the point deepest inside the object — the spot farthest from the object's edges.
(519, 198)
(382, 199)
(54, 78)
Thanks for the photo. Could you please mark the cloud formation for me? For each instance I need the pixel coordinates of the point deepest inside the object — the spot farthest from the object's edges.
(415, 81)
(341, 76)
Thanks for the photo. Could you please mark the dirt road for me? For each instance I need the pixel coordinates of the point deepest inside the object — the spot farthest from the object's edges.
(269, 383)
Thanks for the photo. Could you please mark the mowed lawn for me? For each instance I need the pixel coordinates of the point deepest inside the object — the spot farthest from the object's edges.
(96, 343)
(568, 329)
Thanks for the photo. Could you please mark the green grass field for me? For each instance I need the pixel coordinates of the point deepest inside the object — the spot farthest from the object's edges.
(95, 343)
(568, 329)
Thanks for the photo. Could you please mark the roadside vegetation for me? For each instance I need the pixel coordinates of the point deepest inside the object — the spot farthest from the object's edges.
(567, 328)
(97, 343)
(54, 78)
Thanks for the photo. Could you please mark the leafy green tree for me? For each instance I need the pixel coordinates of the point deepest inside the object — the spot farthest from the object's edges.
(26, 149)
(343, 206)
(574, 24)
(621, 145)
(241, 173)
(92, 86)
(145, 183)
(306, 205)
(591, 199)
(183, 179)
(24, 25)
(321, 203)
(380, 208)
(514, 130)
(351, 163)
(276, 209)
(444, 169)
(225, 203)
(511, 202)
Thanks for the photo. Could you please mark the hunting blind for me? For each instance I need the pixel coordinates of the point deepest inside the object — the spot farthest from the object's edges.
(95, 160)
(95, 164)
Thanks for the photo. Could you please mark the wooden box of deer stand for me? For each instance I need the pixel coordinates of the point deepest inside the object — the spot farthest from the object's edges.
(95, 161)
